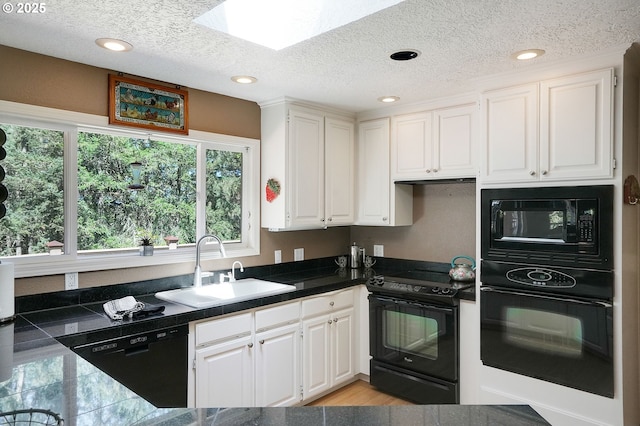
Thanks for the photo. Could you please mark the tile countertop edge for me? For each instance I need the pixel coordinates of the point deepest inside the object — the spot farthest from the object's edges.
(83, 323)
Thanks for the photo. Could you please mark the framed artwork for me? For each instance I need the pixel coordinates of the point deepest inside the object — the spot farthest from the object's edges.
(148, 106)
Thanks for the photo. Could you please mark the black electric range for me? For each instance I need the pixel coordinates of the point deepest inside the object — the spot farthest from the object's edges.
(420, 285)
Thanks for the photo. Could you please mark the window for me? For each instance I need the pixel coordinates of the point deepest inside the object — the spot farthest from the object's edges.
(114, 215)
(34, 181)
(73, 185)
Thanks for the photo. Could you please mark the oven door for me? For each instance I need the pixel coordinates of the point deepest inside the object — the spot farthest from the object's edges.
(415, 336)
(560, 340)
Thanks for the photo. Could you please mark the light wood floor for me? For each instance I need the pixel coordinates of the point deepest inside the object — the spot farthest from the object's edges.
(357, 394)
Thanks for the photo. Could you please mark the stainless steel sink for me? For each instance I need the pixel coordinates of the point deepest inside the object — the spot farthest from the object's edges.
(224, 293)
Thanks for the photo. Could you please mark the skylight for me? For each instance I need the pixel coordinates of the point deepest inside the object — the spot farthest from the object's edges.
(282, 23)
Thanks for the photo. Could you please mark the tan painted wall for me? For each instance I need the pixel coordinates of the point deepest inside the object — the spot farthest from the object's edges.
(443, 226)
(35, 79)
(444, 214)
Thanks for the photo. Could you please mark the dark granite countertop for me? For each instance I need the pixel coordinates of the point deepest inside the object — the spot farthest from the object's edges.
(37, 371)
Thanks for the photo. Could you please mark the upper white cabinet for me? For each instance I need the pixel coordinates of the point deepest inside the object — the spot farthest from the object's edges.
(558, 129)
(380, 201)
(310, 154)
(437, 144)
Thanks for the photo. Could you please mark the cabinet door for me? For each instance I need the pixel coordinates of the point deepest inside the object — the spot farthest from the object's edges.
(454, 147)
(306, 163)
(316, 356)
(339, 172)
(510, 134)
(373, 171)
(224, 374)
(576, 126)
(278, 366)
(411, 147)
(343, 349)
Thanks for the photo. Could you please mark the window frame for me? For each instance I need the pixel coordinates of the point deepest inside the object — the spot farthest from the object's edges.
(71, 123)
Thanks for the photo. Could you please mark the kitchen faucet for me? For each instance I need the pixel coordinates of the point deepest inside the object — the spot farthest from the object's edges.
(232, 277)
(197, 277)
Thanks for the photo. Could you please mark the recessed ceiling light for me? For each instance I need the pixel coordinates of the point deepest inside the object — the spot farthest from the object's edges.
(388, 99)
(244, 79)
(523, 55)
(404, 55)
(114, 44)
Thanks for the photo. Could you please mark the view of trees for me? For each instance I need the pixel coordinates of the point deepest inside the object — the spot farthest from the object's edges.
(110, 215)
(34, 180)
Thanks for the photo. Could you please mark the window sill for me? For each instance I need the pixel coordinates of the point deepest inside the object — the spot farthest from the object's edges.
(35, 266)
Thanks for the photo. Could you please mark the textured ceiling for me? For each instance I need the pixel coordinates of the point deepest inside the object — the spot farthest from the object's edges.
(348, 67)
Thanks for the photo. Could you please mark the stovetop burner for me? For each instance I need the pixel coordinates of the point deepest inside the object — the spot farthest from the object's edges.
(418, 284)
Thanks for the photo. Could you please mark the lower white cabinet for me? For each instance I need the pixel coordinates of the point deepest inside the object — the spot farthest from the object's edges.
(275, 356)
(277, 361)
(249, 359)
(328, 342)
(224, 374)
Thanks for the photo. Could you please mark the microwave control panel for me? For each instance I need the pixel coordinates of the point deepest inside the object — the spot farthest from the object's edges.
(540, 277)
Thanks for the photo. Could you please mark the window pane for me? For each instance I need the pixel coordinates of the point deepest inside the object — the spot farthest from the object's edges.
(111, 215)
(224, 194)
(35, 182)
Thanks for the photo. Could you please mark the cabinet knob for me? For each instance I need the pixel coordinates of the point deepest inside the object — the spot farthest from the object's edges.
(335, 320)
(532, 173)
(332, 303)
(322, 219)
(384, 219)
(435, 170)
(428, 170)
(262, 342)
(544, 173)
(250, 345)
(330, 219)
(330, 321)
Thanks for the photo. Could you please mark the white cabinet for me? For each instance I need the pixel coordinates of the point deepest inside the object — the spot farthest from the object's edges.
(328, 342)
(411, 146)
(224, 362)
(340, 176)
(558, 129)
(277, 355)
(310, 154)
(249, 359)
(380, 201)
(437, 144)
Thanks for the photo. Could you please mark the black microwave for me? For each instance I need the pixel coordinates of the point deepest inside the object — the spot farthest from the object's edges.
(560, 226)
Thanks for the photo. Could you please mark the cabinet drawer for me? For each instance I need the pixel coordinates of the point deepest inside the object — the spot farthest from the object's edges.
(327, 303)
(224, 328)
(278, 315)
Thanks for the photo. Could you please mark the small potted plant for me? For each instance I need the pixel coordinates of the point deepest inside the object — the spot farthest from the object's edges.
(146, 246)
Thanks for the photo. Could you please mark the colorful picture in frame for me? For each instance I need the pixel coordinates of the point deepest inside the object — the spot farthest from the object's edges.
(146, 105)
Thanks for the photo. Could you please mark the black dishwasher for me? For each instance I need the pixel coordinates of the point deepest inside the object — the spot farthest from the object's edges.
(152, 364)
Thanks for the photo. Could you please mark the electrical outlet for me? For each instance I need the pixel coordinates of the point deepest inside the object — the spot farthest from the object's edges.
(71, 281)
(298, 254)
(378, 250)
(278, 256)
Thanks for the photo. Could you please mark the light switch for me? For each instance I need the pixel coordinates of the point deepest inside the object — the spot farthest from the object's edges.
(298, 254)
(378, 250)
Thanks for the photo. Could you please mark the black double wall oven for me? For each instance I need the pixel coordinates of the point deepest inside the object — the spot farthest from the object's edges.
(547, 284)
(413, 326)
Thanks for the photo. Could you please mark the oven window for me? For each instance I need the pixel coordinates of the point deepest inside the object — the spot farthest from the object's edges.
(542, 331)
(411, 333)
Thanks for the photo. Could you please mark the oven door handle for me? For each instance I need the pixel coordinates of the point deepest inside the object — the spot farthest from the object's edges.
(425, 305)
(542, 296)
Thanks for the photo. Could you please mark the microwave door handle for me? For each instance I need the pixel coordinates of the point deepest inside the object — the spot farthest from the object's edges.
(542, 296)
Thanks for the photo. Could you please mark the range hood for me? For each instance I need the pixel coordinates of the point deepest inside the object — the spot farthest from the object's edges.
(434, 181)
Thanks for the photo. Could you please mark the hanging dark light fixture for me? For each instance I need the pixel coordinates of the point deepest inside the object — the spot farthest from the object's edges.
(136, 169)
